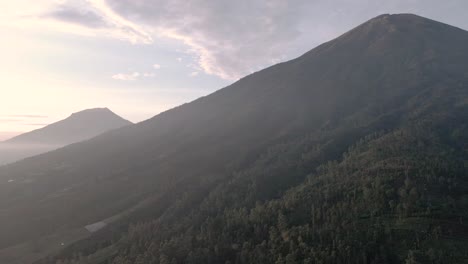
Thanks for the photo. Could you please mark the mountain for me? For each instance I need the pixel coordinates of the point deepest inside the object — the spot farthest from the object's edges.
(79, 126)
(355, 152)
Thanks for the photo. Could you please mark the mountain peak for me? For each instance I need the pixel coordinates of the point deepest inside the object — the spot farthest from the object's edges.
(393, 19)
(400, 23)
(407, 41)
(405, 16)
(97, 110)
(388, 23)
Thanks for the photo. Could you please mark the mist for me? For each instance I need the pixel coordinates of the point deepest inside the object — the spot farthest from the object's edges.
(12, 152)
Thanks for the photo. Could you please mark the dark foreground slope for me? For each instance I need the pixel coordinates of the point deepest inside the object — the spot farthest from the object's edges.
(354, 152)
(78, 127)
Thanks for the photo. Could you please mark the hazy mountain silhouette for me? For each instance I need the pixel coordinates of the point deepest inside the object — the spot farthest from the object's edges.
(348, 116)
(78, 127)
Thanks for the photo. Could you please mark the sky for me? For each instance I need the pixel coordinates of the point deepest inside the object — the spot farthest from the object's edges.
(142, 57)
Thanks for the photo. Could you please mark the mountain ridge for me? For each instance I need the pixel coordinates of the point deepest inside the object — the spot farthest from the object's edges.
(221, 162)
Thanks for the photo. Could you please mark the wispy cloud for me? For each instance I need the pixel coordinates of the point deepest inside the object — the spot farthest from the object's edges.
(225, 39)
(16, 118)
(157, 66)
(149, 74)
(76, 15)
(6, 120)
(26, 116)
(133, 76)
(126, 76)
(83, 17)
(194, 74)
(37, 124)
(127, 29)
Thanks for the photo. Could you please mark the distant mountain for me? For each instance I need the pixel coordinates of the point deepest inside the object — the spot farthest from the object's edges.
(79, 126)
(355, 152)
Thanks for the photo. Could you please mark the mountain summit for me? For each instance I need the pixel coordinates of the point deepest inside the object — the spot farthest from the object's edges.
(354, 152)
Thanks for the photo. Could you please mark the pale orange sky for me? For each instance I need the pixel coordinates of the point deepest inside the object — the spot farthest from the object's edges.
(8, 135)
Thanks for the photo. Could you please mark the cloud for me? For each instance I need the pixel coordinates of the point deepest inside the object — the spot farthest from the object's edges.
(157, 66)
(133, 76)
(92, 18)
(226, 38)
(79, 16)
(6, 120)
(149, 74)
(27, 116)
(179, 59)
(194, 74)
(134, 32)
(37, 124)
(126, 76)
(19, 118)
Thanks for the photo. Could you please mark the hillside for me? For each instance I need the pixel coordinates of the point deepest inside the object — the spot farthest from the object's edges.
(354, 152)
(79, 126)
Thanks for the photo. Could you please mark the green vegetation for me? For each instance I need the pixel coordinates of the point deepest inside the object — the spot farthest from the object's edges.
(397, 196)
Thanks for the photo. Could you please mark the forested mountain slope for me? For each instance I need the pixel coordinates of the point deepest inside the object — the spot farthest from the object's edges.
(396, 196)
(354, 152)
